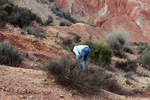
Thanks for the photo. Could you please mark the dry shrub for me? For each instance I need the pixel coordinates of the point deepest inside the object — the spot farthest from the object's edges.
(3, 12)
(37, 32)
(90, 81)
(9, 55)
(21, 17)
(143, 74)
(129, 65)
(129, 75)
(119, 41)
(144, 59)
(17, 16)
(148, 88)
(48, 21)
(137, 91)
(65, 23)
(128, 82)
(67, 43)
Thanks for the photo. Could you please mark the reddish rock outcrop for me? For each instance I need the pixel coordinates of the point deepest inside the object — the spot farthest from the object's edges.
(133, 15)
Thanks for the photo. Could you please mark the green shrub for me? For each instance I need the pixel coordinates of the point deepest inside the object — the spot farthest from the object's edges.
(8, 7)
(67, 73)
(119, 41)
(144, 59)
(9, 55)
(142, 48)
(100, 53)
(37, 32)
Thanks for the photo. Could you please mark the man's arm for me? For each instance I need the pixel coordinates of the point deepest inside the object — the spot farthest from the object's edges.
(76, 52)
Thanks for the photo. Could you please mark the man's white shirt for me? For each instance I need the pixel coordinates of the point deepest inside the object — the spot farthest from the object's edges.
(77, 49)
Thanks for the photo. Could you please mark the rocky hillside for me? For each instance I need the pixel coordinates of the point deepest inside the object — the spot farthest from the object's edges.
(29, 82)
(133, 15)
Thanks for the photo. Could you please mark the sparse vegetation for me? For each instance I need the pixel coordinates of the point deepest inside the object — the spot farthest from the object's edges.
(148, 88)
(119, 41)
(143, 48)
(21, 17)
(67, 43)
(128, 82)
(9, 55)
(76, 38)
(100, 53)
(68, 73)
(143, 74)
(65, 23)
(3, 13)
(129, 65)
(15, 15)
(137, 91)
(40, 66)
(144, 59)
(37, 32)
(49, 21)
(59, 12)
(129, 75)
(127, 48)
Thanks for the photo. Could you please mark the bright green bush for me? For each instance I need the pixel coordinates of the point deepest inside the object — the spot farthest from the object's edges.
(100, 53)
